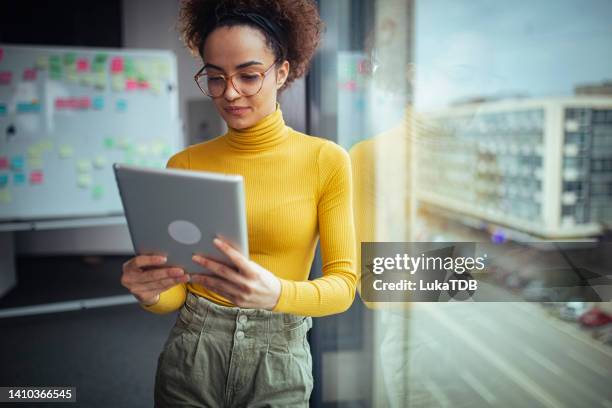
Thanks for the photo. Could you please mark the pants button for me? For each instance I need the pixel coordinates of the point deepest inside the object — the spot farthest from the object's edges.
(243, 319)
(239, 334)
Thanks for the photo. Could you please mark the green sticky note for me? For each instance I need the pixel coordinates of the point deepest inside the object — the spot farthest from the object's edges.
(69, 58)
(65, 151)
(84, 180)
(98, 191)
(109, 142)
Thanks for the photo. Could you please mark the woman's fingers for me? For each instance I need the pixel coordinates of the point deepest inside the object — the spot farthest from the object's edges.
(159, 285)
(236, 257)
(221, 270)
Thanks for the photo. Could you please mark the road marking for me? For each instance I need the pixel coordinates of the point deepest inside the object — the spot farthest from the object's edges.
(516, 375)
(540, 359)
(564, 327)
(478, 387)
(589, 364)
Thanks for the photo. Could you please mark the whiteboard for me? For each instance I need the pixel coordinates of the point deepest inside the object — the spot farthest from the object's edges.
(67, 114)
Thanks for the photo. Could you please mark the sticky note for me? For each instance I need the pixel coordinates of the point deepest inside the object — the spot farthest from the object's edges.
(46, 144)
(142, 149)
(123, 142)
(2, 109)
(83, 166)
(42, 63)
(3, 180)
(99, 81)
(156, 86)
(117, 83)
(34, 151)
(18, 178)
(29, 74)
(87, 78)
(65, 151)
(156, 148)
(5, 196)
(100, 59)
(121, 105)
(4, 163)
(1, 54)
(98, 192)
(130, 70)
(6, 77)
(36, 177)
(35, 163)
(99, 162)
(131, 84)
(69, 58)
(17, 163)
(109, 142)
(28, 107)
(117, 65)
(84, 180)
(71, 76)
(82, 65)
(98, 103)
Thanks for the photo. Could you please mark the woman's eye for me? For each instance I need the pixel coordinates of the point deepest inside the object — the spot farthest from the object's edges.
(249, 77)
(215, 79)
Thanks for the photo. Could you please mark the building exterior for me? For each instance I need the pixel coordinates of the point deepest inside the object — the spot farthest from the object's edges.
(539, 166)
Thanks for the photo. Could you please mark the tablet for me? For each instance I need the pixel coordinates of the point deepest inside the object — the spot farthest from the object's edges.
(178, 213)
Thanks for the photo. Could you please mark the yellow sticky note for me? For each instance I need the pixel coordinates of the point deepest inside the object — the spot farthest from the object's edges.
(35, 163)
(34, 152)
(156, 86)
(83, 166)
(46, 144)
(156, 148)
(99, 162)
(142, 149)
(84, 180)
(65, 151)
(5, 195)
(123, 143)
(117, 83)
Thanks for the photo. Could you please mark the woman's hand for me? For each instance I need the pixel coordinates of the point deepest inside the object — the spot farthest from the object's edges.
(146, 276)
(248, 285)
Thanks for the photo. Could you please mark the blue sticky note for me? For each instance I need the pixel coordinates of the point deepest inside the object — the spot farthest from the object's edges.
(3, 180)
(121, 105)
(98, 103)
(17, 163)
(28, 107)
(2, 109)
(19, 178)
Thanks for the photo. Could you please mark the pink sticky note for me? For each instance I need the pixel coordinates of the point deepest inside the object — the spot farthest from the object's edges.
(131, 84)
(4, 163)
(82, 65)
(29, 74)
(1, 54)
(117, 64)
(36, 177)
(143, 85)
(5, 77)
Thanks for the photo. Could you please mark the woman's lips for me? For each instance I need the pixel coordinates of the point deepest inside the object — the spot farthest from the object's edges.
(238, 111)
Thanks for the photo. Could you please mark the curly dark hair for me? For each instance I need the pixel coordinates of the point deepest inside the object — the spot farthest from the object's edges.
(298, 19)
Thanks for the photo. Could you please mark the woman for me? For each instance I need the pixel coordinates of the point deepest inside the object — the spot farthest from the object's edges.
(240, 337)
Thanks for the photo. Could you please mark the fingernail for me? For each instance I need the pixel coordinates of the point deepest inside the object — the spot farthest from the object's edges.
(217, 241)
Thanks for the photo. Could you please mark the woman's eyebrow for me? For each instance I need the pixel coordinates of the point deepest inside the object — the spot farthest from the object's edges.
(243, 65)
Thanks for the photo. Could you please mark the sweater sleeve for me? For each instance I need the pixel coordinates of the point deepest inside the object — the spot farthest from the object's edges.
(334, 292)
(172, 298)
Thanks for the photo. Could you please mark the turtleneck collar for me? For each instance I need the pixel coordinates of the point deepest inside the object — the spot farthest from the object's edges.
(266, 133)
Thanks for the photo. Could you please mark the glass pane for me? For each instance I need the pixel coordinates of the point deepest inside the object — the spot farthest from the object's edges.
(481, 122)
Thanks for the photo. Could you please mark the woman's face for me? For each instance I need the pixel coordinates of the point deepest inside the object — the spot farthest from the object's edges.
(228, 50)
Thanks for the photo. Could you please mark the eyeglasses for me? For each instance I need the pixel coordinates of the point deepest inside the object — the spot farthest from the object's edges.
(246, 82)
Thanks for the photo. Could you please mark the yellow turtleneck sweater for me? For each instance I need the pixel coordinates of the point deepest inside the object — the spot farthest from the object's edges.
(298, 189)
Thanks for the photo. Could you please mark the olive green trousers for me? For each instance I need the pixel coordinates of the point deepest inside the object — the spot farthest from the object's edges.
(217, 356)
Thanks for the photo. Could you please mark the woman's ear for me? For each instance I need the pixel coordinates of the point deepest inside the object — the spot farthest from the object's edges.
(282, 74)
